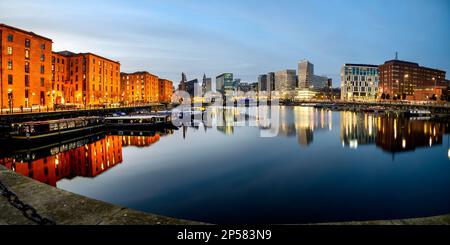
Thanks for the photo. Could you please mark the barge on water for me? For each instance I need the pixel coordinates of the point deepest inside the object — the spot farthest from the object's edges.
(139, 121)
(55, 129)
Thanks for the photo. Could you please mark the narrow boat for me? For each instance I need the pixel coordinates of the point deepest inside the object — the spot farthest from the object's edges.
(418, 113)
(45, 130)
(139, 121)
(374, 109)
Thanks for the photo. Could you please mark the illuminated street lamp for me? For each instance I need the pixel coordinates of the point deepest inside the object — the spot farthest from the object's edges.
(32, 100)
(53, 99)
(10, 100)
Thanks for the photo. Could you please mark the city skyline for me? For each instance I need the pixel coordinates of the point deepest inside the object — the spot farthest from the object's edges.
(171, 37)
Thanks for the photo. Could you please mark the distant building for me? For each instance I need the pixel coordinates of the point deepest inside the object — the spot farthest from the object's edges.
(254, 87)
(92, 79)
(271, 81)
(285, 80)
(182, 85)
(263, 83)
(305, 73)
(193, 88)
(319, 82)
(236, 83)
(401, 79)
(307, 79)
(224, 84)
(304, 94)
(207, 84)
(165, 90)
(244, 87)
(359, 82)
(139, 87)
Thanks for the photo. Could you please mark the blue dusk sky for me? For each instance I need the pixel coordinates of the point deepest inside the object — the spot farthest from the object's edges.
(246, 37)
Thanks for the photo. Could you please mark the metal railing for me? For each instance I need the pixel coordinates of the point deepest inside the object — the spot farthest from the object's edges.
(42, 109)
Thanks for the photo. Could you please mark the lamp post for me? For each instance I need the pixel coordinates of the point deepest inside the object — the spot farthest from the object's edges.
(435, 86)
(32, 100)
(10, 100)
(53, 100)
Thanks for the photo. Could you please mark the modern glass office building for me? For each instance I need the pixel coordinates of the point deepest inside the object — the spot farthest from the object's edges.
(359, 82)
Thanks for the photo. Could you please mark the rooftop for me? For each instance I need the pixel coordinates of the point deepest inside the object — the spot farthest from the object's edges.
(366, 65)
(412, 64)
(26, 32)
(138, 73)
(70, 54)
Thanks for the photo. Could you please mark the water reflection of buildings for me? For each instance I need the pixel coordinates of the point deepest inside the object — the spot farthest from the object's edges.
(75, 159)
(294, 121)
(89, 161)
(399, 134)
(303, 121)
(228, 120)
(392, 134)
(140, 141)
(357, 129)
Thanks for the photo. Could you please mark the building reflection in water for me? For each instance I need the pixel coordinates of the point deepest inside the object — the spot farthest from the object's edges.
(390, 133)
(303, 121)
(357, 129)
(297, 121)
(88, 157)
(400, 134)
(307, 120)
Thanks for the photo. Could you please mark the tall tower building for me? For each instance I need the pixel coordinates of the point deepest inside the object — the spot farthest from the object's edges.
(207, 84)
(262, 83)
(182, 85)
(305, 74)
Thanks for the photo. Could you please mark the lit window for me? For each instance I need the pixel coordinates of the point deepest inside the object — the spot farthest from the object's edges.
(10, 51)
(27, 54)
(10, 64)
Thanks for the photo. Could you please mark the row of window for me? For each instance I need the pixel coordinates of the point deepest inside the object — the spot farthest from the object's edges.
(93, 62)
(362, 78)
(27, 53)
(27, 67)
(362, 71)
(100, 88)
(10, 38)
(362, 89)
(27, 80)
(360, 84)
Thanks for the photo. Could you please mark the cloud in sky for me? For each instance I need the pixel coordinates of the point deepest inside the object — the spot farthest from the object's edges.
(167, 37)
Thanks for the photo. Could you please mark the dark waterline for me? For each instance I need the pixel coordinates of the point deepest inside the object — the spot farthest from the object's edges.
(323, 166)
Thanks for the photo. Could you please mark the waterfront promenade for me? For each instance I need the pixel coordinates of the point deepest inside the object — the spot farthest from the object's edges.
(57, 114)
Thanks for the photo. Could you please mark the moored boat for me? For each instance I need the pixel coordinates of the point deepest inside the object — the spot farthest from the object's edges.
(139, 121)
(418, 113)
(43, 130)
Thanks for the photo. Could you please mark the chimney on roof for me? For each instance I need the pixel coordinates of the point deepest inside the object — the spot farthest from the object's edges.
(396, 55)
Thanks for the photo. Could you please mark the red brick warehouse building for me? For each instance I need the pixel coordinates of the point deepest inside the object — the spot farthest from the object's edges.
(408, 81)
(25, 72)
